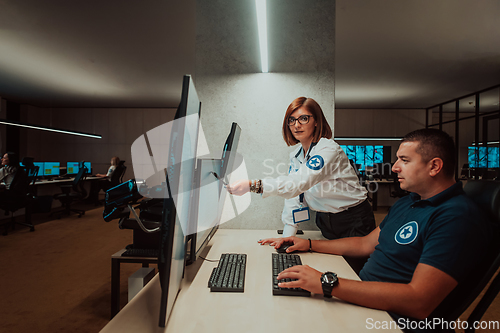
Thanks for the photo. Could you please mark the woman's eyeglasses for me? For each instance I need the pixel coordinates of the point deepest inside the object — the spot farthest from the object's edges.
(304, 119)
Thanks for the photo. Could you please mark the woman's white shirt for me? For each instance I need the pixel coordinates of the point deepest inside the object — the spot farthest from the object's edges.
(327, 179)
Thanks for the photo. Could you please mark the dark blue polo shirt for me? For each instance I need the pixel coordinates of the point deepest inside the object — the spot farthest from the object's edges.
(445, 231)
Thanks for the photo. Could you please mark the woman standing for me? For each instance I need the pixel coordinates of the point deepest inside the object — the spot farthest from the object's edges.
(320, 177)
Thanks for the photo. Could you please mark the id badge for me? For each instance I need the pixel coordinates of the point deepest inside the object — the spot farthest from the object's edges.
(300, 215)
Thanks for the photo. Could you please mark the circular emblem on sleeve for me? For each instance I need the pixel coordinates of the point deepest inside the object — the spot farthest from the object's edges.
(407, 233)
(315, 163)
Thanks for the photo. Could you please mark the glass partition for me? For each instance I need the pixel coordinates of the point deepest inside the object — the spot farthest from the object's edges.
(475, 159)
(489, 100)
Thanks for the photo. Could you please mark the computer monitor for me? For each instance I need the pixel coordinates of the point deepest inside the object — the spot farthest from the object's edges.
(72, 168)
(40, 167)
(210, 195)
(228, 162)
(378, 154)
(88, 166)
(176, 209)
(51, 168)
(229, 152)
(493, 157)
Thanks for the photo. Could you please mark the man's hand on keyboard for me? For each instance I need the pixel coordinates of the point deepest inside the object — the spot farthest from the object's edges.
(299, 244)
(306, 278)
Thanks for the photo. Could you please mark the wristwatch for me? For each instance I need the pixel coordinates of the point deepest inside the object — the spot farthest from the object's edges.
(328, 281)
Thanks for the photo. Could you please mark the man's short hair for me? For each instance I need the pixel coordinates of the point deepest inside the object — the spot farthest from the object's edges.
(435, 143)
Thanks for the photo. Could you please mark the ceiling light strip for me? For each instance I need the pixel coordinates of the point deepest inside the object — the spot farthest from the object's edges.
(51, 129)
(367, 139)
(488, 143)
(262, 26)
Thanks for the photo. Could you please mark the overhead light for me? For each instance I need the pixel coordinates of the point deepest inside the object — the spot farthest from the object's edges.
(488, 143)
(262, 26)
(51, 129)
(367, 139)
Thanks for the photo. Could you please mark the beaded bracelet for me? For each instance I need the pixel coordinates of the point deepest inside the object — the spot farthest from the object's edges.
(256, 186)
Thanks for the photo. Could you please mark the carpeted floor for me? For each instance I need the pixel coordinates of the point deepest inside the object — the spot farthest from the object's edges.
(58, 278)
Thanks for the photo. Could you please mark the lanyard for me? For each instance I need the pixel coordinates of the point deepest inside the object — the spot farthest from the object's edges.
(308, 152)
(301, 197)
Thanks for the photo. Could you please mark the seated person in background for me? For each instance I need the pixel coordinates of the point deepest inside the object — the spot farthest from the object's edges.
(105, 183)
(114, 162)
(427, 244)
(10, 163)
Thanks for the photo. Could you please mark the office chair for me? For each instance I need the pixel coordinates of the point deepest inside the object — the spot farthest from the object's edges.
(67, 197)
(117, 176)
(115, 180)
(465, 172)
(486, 194)
(20, 194)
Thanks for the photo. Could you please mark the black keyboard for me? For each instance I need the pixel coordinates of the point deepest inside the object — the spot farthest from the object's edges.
(229, 275)
(140, 253)
(282, 261)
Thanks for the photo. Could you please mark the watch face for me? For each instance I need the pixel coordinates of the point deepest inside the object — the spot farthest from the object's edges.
(329, 278)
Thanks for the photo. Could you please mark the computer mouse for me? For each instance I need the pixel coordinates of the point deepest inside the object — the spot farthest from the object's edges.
(283, 247)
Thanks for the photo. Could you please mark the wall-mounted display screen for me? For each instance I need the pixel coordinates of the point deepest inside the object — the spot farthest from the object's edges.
(365, 156)
(483, 157)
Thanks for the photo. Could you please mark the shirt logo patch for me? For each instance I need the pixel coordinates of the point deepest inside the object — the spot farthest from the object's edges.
(407, 233)
(292, 170)
(315, 163)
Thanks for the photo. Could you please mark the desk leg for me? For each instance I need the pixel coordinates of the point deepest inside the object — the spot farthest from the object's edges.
(374, 192)
(115, 287)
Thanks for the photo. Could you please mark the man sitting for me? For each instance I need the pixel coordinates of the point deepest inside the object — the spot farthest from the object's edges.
(427, 244)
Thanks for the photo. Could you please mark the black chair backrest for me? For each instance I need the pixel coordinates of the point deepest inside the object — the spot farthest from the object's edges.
(486, 194)
(20, 183)
(122, 163)
(31, 169)
(81, 175)
(117, 176)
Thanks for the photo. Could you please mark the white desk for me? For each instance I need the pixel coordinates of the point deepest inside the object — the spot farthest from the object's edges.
(62, 181)
(43, 187)
(256, 310)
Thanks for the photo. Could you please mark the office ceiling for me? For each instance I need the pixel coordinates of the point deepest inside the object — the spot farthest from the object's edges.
(114, 53)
